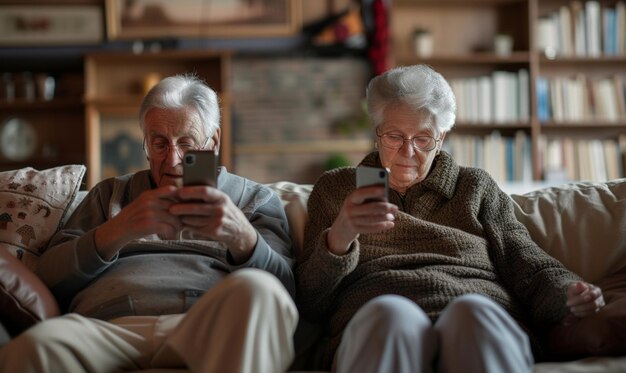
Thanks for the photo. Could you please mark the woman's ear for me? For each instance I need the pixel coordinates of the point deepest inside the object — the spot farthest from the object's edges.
(440, 145)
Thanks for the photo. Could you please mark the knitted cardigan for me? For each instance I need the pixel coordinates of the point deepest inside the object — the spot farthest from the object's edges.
(455, 233)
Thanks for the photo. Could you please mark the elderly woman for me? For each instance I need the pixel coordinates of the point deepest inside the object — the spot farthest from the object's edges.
(438, 277)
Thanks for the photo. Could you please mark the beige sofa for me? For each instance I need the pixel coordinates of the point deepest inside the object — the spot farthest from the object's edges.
(581, 224)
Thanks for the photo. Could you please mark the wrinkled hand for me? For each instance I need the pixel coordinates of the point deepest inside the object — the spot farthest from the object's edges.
(210, 213)
(357, 216)
(584, 299)
(146, 215)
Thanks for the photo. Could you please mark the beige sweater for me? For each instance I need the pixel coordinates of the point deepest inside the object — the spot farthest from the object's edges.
(455, 234)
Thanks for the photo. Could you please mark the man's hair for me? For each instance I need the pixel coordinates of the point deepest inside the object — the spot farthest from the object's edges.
(184, 91)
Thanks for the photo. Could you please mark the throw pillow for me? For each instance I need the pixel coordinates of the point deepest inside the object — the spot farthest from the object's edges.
(580, 224)
(32, 206)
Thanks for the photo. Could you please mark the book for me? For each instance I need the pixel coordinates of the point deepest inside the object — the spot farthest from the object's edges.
(593, 28)
(578, 23)
(523, 88)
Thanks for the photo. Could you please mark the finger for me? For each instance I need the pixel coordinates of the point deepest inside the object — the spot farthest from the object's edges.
(198, 192)
(576, 288)
(589, 294)
(368, 193)
(165, 192)
(588, 308)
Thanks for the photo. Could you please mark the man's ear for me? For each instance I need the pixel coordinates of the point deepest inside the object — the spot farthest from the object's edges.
(216, 141)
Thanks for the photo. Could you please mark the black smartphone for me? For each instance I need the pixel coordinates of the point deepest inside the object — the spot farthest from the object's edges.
(200, 168)
(372, 176)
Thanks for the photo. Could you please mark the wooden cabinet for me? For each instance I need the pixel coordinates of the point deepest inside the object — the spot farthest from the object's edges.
(115, 84)
(38, 130)
(504, 122)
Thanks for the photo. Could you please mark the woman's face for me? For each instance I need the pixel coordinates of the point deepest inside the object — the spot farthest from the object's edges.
(407, 165)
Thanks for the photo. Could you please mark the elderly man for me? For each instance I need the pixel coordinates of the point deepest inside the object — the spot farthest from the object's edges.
(155, 274)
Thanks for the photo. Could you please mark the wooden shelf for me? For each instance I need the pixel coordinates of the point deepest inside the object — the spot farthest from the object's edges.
(54, 104)
(478, 58)
(462, 53)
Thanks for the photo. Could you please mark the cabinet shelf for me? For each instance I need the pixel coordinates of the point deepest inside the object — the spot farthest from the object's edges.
(57, 103)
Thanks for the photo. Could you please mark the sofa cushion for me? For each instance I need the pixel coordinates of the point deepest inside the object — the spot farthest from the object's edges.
(24, 298)
(32, 206)
(294, 198)
(583, 225)
(601, 334)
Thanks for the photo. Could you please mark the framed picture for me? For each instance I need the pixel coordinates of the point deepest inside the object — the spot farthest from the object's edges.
(32, 25)
(148, 19)
(115, 143)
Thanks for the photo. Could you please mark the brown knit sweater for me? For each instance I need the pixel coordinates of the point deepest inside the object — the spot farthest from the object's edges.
(455, 233)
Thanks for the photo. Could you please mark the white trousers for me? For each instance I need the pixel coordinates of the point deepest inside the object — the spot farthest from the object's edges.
(244, 324)
(390, 333)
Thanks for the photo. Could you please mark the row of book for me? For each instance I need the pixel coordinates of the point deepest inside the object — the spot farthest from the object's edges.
(506, 158)
(567, 159)
(583, 29)
(501, 97)
(581, 98)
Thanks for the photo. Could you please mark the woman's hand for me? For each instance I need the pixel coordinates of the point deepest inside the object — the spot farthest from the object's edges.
(584, 299)
(210, 213)
(359, 215)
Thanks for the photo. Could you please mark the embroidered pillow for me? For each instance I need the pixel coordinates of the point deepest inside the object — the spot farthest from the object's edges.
(32, 206)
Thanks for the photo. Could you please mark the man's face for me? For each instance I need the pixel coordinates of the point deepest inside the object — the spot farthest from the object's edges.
(168, 134)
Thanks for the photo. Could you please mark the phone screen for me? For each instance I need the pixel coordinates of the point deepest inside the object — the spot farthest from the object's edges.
(200, 168)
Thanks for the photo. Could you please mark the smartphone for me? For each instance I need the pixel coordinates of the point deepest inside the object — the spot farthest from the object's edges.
(372, 176)
(200, 168)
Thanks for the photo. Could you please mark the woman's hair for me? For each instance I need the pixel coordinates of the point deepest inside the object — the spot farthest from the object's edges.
(419, 86)
(184, 91)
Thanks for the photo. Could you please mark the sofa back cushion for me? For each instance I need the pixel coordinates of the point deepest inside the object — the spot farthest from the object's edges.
(583, 225)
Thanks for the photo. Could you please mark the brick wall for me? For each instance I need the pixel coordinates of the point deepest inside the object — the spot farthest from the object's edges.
(280, 100)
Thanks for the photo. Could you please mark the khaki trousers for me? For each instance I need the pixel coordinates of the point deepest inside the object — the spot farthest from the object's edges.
(244, 324)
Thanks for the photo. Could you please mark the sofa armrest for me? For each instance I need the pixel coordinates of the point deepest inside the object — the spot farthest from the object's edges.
(24, 298)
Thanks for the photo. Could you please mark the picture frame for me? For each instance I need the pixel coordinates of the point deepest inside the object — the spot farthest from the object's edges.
(50, 25)
(154, 19)
(116, 143)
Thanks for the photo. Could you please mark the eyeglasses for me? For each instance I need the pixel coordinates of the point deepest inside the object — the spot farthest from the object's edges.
(422, 143)
(160, 147)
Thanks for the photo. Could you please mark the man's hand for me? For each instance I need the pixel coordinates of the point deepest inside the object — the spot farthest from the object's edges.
(210, 213)
(148, 214)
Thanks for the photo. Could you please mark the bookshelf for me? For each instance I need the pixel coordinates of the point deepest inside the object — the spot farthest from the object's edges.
(552, 109)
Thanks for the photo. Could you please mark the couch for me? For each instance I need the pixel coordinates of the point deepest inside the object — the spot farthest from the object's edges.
(582, 224)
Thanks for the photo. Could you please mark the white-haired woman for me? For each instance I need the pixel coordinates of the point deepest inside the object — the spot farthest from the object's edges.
(438, 277)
